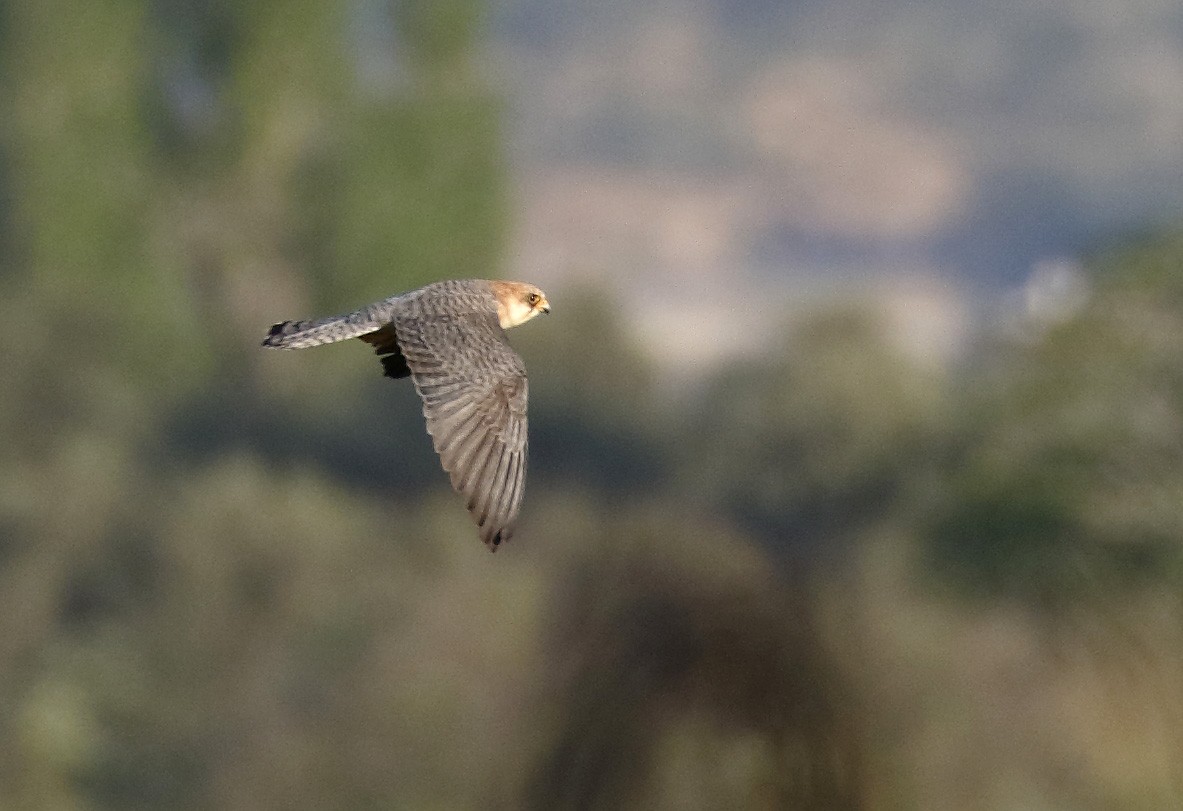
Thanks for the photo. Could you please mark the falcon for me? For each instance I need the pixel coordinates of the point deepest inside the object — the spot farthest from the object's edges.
(449, 338)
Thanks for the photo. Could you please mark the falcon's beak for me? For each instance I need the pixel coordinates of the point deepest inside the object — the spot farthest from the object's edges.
(544, 306)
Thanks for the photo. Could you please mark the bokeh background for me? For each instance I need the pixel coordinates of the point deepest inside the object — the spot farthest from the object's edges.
(856, 432)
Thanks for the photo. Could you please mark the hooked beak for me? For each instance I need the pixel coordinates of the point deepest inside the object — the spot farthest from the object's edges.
(545, 307)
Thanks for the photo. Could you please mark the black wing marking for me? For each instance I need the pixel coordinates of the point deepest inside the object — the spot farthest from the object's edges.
(385, 343)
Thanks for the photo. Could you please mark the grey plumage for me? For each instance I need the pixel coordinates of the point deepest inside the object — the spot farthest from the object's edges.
(449, 337)
(313, 332)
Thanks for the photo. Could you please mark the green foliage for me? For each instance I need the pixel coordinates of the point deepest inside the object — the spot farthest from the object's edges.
(81, 164)
(692, 678)
(596, 418)
(443, 34)
(1073, 479)
(828, 432)
(163, 167)
(419, 178)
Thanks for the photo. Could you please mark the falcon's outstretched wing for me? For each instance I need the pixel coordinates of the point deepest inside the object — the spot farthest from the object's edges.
(473, 387)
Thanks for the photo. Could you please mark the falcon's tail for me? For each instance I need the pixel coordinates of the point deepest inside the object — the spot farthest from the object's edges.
(301, 334)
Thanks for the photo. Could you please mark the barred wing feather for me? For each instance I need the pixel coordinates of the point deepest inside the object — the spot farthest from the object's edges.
(474, 392)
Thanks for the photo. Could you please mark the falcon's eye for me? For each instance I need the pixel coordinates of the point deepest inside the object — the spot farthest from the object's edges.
(532, 299)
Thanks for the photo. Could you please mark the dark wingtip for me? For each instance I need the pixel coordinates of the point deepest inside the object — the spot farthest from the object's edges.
(275, 335)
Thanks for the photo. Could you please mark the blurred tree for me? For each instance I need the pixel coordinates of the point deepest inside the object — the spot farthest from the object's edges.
(173, 177)
(685, 677)
(166, 163)
(326, 153)
(818, 440)
(1071, 479)
(423, 169)
(596, 420)
(1066, 500)
(80, 168)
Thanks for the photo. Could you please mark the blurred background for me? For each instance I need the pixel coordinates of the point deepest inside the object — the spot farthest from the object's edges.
(856, 432)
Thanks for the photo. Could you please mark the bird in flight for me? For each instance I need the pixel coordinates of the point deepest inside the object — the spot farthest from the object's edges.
(449, 338)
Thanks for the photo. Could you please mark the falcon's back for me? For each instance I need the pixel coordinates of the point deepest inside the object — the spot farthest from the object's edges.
(446, 299)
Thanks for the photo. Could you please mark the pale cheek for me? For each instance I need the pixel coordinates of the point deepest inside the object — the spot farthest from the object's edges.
(515, 314)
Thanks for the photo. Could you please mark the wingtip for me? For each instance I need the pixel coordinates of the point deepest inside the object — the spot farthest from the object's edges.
(494, 543)
(275, 335)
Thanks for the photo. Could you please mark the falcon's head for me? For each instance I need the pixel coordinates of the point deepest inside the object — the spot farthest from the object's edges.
(518, 302)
